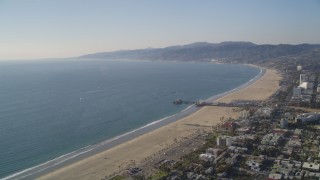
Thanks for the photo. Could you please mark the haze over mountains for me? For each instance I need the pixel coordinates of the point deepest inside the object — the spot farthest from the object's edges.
(204, 51)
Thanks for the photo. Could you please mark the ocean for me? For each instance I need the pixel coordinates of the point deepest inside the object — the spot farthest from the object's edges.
(49, 108)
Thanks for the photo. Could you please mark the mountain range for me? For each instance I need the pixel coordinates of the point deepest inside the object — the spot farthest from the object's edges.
(223, 52)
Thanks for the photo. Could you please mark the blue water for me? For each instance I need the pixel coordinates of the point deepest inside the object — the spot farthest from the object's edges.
(49, 108)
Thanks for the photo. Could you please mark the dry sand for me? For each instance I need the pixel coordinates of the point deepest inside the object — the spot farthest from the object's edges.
(260, 90)
(136, 150)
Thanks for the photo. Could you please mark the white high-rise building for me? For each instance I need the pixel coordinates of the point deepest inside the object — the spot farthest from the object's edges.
(224, 141)
(221, 141)
(228, 141)
(299, 68)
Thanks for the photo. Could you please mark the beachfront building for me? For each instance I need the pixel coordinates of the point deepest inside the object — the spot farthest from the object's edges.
(224, 141)
(244, 114)
(221, 141)
(303, 93)
(206, 157)
(303, 78)
(213, 151)
(244, 130)
(264, 112)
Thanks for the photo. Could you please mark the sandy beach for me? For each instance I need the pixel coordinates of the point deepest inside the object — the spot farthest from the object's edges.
(136, 150)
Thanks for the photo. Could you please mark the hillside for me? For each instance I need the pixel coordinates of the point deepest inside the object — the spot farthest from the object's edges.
(203, 51)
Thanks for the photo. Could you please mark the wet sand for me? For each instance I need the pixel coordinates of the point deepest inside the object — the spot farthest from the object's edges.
(136, 150)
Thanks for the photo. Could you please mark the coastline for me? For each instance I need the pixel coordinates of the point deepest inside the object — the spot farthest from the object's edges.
(134, 152)
(65, 161)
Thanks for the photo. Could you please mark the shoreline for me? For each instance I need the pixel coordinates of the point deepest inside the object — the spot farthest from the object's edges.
(86, 152)
(134, 152)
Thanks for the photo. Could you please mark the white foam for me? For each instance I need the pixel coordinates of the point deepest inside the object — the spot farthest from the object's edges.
(66, 157)
(48, 162)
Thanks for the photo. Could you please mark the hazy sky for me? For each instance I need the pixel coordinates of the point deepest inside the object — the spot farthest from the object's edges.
(64, 28)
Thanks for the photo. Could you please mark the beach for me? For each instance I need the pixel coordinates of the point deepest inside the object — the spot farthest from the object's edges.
(136, 150)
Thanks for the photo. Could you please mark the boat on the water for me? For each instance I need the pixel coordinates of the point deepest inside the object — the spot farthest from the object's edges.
(178, 101)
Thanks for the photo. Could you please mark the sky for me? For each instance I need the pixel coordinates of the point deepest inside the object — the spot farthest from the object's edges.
(67, 28)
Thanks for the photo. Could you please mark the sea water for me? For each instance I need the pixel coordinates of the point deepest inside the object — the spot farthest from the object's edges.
(52, 107)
